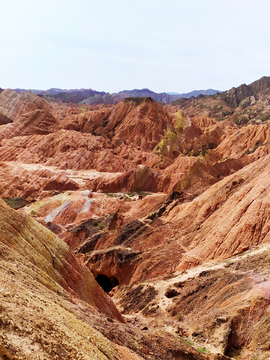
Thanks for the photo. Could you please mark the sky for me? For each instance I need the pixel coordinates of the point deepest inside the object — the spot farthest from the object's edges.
(105, 45)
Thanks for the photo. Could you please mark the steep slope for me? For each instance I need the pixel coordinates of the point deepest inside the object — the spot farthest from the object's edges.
(173, 232)
(45, 270)
(156, 251)
(4, 119)
(34, 122)
(52, 308)
(13, 104)
(235, 96)
(138, 121)
(24, 238)
(222, 307)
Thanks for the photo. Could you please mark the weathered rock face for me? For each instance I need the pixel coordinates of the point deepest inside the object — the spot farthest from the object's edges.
(142, 178)
(243, 193)
(13, 105)
(186, 172)
(4, 119)
(143, 125)
(222, 308)
(242, 105)
(49, 303)
(192, 232)
(35, 122)
(56, 267)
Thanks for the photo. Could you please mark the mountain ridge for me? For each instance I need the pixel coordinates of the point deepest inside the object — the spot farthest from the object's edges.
(90, 96)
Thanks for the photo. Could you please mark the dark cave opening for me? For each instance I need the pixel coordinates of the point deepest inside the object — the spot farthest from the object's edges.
(107, 283)
(233, 349)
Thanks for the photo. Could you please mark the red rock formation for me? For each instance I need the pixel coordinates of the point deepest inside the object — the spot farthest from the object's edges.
(187, 172)
(49, 304)
(51, 257)
(213, 176)
(4, 119)
(35, 122)
(142, 178)
(14, 105)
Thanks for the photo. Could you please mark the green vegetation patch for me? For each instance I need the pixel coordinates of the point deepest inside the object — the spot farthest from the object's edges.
(203, 350)
(187, 341)
(172, 139)
(16, 203)
(132, 194)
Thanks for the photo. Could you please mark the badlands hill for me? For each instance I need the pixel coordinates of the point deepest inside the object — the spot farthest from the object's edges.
(140, 231)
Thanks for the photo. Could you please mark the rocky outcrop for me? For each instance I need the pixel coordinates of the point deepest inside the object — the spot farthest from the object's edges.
(138, 121)
(191, 231)
(242, 105)
(187, 172)
(57, 269)
(234, 96)
(4, 119)
(35, 122)
(245, 195)
(141, 178)
(220, 308)
(13, 104)
(135, 145)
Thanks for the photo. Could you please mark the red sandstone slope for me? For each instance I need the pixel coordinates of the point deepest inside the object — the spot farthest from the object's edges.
(49, 304)
(214, 206)
(14, 104)
(212, 304)
(50, 257)
(176, 233)
(137, 139)
(35, 122)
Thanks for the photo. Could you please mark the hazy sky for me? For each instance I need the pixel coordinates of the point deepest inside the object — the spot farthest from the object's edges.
(112, 45)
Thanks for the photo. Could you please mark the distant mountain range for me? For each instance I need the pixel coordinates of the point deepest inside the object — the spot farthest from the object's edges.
(89, 96)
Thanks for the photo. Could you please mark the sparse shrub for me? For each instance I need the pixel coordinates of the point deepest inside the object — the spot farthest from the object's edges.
(187, 341)
(143, 193)
(16, 203)
(138, 99)
(204, 350)
(101, 226)
(132, 194)
(172, 139)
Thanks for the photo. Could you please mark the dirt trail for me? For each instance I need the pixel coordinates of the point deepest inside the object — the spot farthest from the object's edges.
(163, 285)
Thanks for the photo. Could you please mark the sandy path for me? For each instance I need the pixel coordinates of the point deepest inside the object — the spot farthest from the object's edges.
(162, 285)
